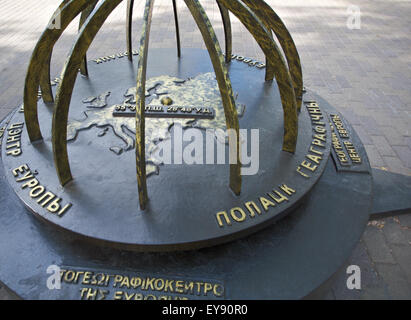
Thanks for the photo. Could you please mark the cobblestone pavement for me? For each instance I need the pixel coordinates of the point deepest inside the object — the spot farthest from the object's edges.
(364, 73)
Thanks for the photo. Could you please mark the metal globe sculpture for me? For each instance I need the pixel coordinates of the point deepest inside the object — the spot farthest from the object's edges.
(256, 15)
(107, 241)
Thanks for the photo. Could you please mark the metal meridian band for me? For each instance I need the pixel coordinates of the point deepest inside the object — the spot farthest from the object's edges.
(141, 104)
(68, 78)
(129, 28)
(267, 14)
(45, 82)
(84, 15)
(223, 80)
(224, 84)
(272, 22)
(282, 74)
(225, 16)
(257, 17)
(38, 73)
(177, 29)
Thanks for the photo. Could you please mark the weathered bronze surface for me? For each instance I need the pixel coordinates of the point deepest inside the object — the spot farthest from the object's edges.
(225, 16)
(267, 14)
(65, 89)
(224, 84)
(282, 74)
(177, 28)
(258, 18)
(45, 82)
(129, 28)
(38, 72)
(84, 15)
(191, 206)
(141, 105)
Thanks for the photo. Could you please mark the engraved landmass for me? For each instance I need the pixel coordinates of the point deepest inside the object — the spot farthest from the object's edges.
(201, 90)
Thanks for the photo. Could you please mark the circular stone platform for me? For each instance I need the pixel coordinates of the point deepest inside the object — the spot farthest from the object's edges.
(101, 203)
(290, 259)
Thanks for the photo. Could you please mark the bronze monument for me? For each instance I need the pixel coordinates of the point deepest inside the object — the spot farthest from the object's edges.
(192, 221)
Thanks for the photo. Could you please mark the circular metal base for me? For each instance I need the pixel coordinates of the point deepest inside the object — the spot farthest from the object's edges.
(291, 259)
(185, 201)
(288, 260)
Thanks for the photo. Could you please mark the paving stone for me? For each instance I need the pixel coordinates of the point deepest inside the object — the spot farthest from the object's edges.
(396, 165)
(403, 127)
(376, 160)
(377, 246)
(369, 278)
(402, 254)
(395, 279)
(383, 146)
(396, 102)
(392, 136)
(364, 136)
(6, 294)
(394, 233)
(329, 295)
(377, 292)
(405, 220)
(368, 123)
(404, 153)
(350, 115)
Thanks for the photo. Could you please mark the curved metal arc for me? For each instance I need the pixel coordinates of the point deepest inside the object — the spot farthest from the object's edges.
(228, 35)
(270, 67)
(45, 81)
(84, 15)
(224, 84)
(65, 90)
(140, 105)
(38, 73)
(129, 28)
(282, 74)
(177, 28)
(267, 14)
